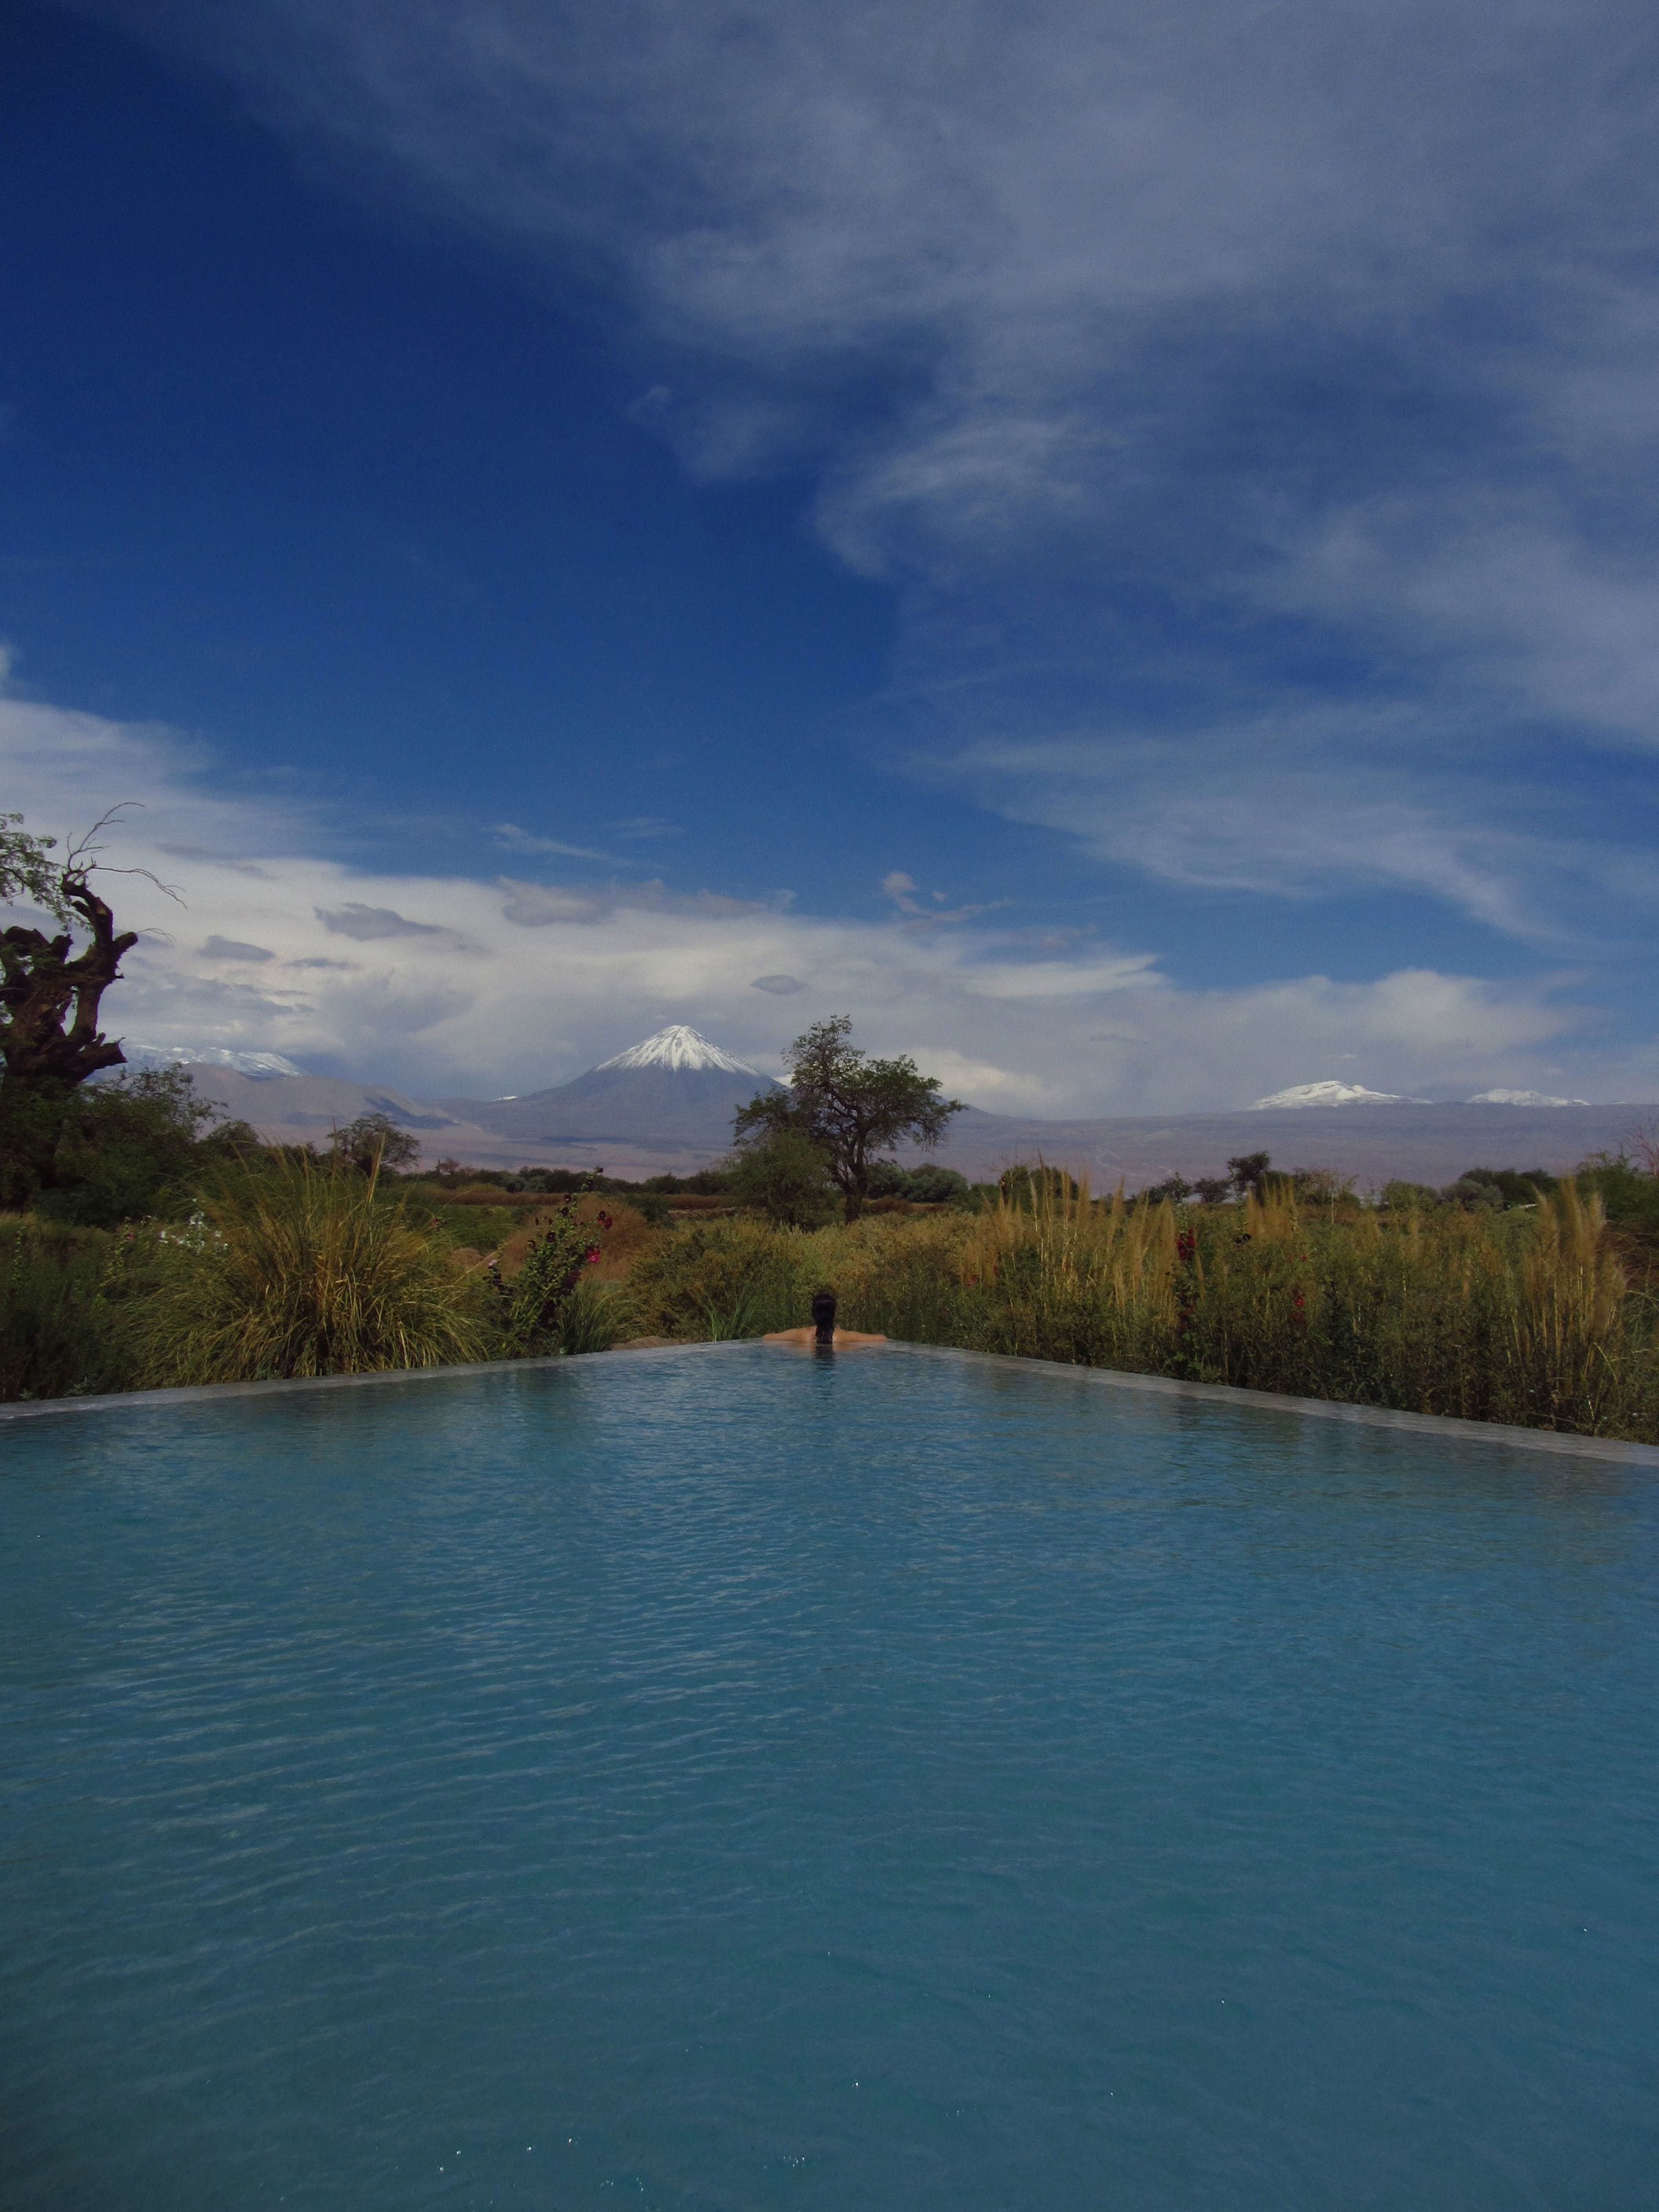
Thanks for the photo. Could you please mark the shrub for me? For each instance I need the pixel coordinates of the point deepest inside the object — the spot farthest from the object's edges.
(134, 1148)
(292, 1270)
(531, 1305)
(723, 1278)
(65, 1311)
(786, 1177)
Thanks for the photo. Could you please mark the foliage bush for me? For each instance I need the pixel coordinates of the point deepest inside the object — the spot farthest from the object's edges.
(66, 1302)
(290, 1269)
(786, 1177)
(532, 1306)
(133, 1148)
(722, 1279)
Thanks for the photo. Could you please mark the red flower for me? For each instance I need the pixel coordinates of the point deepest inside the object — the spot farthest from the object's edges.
(591, 1255)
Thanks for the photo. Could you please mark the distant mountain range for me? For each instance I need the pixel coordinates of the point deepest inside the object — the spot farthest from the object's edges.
(1355, 1094)
(666, 1106)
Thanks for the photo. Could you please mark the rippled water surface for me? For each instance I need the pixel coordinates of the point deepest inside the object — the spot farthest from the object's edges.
(738, 1779)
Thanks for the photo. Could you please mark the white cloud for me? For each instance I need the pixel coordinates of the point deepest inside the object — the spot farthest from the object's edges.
(458, 985)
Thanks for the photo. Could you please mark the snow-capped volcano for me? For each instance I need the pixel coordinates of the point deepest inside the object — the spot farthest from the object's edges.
(675, 1090)
(1333, 1094)
(677, 1045)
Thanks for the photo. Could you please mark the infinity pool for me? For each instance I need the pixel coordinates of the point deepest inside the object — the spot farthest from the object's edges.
(733, 1779)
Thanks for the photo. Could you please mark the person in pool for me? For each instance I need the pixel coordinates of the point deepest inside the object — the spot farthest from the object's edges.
(823, 1330)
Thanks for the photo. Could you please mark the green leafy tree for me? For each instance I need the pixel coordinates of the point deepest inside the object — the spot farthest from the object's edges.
(137, 1147)
(1248, 1172)
(28, 875)
(853, 1109)
(373, 1144)
(929, 1185)
(786, 1177)
(1173, 1190)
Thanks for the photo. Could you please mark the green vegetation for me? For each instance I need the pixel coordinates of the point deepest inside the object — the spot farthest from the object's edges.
(786, 1177)
(532, 1310)
(1525, 1316)
(135, 1148)
(849, 1109)
(291, 1269)
(67, 1298)
(1503, 1298)
(373, 1144)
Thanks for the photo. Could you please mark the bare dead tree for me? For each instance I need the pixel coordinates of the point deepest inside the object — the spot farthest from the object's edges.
(1643, 1140)
(51, 997)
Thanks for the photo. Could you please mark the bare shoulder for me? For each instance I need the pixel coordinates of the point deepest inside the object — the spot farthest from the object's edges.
(845, 1340)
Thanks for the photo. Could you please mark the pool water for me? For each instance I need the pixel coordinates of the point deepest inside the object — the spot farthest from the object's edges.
(742, 1779)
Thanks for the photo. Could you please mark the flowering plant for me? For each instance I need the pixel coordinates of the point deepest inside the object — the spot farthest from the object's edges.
(533, 1304)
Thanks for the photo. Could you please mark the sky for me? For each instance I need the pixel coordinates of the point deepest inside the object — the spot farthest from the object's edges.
(1117, 546)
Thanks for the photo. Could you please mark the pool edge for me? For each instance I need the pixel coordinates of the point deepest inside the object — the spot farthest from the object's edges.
(205, 1394)
(1446, 1426)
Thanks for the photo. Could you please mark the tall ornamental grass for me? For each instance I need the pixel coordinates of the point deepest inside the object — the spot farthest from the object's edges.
(1524, 1316)
(289, 1268)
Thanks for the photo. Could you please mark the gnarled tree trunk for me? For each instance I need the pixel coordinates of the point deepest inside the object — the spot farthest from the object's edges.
(49, 1033)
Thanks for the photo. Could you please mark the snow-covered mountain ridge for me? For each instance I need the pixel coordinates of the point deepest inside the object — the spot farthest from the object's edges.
(1332, 1094)
(1520, 1098)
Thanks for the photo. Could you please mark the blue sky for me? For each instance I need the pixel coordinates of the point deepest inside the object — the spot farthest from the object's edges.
(1117, 547)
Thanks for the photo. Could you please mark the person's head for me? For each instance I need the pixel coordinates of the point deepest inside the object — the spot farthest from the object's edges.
(823, 1312)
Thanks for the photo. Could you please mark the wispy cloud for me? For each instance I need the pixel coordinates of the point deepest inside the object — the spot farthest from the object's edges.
(1166, 359)
(515, 840)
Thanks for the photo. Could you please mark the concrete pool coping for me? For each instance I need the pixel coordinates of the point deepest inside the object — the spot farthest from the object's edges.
(1448, 1427)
